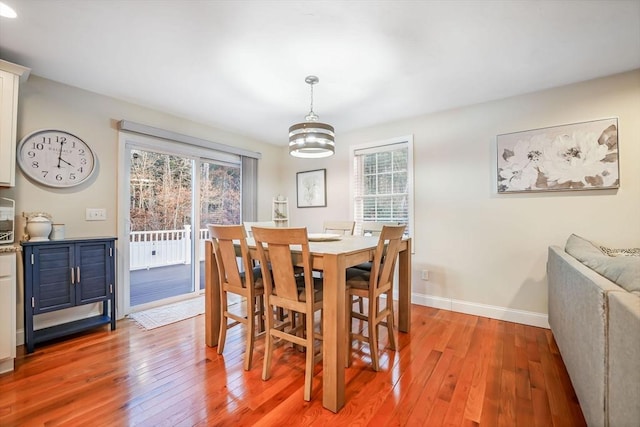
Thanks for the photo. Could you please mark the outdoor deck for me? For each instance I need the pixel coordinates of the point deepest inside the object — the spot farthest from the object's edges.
(157, 283)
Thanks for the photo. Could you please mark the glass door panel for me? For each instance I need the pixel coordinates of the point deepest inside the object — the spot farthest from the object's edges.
(220, 200)
(161, 246)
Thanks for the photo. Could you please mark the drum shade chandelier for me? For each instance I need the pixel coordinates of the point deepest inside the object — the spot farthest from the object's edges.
(311, 139)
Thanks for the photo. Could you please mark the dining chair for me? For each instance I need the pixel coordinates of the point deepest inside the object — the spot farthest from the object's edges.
(249, 224)
(369, 228)
(246, 282)
(299, 294)
(339, 227)
(372, 228)
(372, 285)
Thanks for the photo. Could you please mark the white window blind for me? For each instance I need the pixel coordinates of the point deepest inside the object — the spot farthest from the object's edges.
(382, 183)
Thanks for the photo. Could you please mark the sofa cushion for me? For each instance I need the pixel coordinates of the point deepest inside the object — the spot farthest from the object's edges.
(622, 270)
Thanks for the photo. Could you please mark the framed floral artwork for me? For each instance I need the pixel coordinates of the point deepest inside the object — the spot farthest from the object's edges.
(578, 156)
(311, 187)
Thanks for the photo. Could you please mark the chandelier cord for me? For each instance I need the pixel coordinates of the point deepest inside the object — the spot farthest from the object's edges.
(311, 113)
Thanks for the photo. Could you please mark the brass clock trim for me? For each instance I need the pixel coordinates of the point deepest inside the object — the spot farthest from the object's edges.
(49, 162)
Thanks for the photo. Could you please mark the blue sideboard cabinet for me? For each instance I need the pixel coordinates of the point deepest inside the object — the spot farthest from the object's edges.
(60, 274)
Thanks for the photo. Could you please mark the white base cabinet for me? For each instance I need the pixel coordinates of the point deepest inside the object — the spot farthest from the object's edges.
(7, 311)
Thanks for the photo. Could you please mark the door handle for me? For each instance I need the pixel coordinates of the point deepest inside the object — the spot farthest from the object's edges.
(78, 273)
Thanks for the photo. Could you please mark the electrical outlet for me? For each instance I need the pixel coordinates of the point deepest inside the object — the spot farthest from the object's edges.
(424, 274)
(96, 214)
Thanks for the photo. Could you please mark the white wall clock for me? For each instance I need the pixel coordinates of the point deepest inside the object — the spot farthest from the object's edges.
(56, 158)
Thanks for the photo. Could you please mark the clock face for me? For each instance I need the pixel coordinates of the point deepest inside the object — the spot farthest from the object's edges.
(56, 158)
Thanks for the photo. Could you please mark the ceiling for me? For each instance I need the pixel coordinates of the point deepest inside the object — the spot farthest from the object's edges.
(241, 65)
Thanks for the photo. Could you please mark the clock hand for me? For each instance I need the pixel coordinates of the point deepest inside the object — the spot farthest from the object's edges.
(60, 158)
(60, 154)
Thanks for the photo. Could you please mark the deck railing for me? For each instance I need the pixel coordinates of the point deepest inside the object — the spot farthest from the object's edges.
(148, 249)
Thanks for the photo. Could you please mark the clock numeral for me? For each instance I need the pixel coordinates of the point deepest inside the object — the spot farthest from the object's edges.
(81, 152)
(38, 145)
(31, 154)
(58, 177)
(45, 140)
(61, 139)
(35, 165)
(83, 161)
(45, 173)
(72, 176)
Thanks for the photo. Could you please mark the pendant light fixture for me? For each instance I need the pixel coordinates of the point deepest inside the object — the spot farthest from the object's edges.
(311, 139)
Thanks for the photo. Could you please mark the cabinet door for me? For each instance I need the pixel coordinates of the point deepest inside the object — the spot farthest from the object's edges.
(8, 106)
(52, 287)
(7, 306)
(93, 260)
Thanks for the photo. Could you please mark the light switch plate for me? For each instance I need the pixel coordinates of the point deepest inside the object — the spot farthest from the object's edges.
(96, 214)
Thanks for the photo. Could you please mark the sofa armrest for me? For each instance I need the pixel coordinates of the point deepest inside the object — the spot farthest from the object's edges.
(578, 307)
(624, 359)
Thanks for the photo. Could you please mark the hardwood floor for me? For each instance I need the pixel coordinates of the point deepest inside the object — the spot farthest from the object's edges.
(452, 369)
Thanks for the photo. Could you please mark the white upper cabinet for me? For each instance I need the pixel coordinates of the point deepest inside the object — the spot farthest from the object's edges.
(10, 75)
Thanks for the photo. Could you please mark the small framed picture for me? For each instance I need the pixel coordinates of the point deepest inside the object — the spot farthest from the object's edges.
(311, 188)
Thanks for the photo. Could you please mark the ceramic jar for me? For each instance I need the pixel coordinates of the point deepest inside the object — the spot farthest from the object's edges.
(38, 228)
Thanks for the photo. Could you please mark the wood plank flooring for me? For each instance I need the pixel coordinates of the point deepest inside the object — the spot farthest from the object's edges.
(451, 370)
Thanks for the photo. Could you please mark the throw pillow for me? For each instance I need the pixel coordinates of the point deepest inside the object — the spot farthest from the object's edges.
(622, 270)
(620, 252)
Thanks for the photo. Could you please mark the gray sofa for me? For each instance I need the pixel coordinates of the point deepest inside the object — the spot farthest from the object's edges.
(596, 324)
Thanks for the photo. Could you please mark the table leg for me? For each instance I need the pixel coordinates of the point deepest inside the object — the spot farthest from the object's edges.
(211, 297)
(333, 330)
(404, 289)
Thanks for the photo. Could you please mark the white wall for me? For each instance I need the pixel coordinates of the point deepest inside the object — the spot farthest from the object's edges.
(487, 253)
(46, 104)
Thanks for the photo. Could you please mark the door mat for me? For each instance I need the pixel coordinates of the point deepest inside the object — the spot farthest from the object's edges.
(171, 313)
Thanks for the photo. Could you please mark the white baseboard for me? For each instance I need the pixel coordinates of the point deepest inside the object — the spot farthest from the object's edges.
(494, 312)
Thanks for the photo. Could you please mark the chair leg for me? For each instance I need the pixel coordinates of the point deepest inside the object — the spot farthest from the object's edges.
(348, 320)
(268, 343)
(308, 370)
(390, 321)
(260, 301)
(251, 332)
(222, 336)
(373, 333)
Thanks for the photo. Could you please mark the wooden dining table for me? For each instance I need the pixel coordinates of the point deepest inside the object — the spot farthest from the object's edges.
(332, 258)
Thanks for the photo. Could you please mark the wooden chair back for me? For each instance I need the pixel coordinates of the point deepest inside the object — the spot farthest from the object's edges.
(248, 225)
(274, 247)
(370, 228)
(386, 254)
(223, 237)
(339, 227)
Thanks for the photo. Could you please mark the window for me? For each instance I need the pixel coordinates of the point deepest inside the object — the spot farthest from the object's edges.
(383, 182)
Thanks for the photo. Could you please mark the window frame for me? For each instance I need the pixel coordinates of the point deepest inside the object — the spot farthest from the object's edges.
(379, 146)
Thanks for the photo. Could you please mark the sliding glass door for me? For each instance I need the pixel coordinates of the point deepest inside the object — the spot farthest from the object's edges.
(173, 192)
